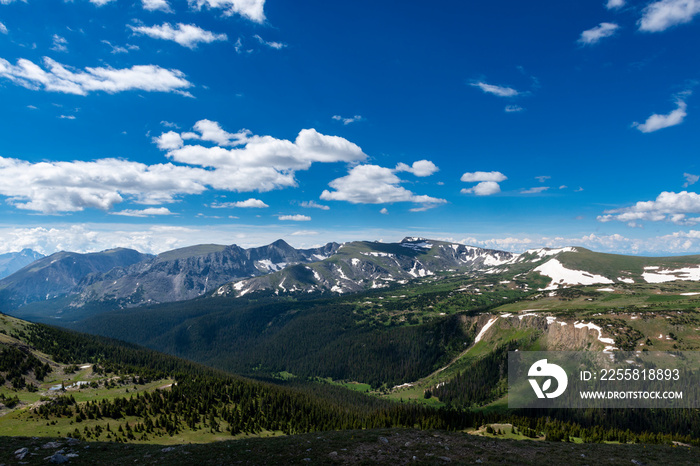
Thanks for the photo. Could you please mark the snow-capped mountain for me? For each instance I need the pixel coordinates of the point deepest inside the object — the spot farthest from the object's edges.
(365, 265)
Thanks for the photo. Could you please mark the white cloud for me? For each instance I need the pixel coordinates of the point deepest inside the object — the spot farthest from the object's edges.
(156, 5)
(59, 78)
(294, 218)
(251, 9)
(593, 35)
(657, 122)
(536, 190)
(272, 45)
(59, 44)
(384, 211)
(169, 141)
(314, 205)
(372, 184)
(614, 4)
(690, 179)
(101, 2)
(668, 206)
(187, 35)
(487, 182)
(149, 212)
(513, 109)
(257, 151)
(472, 177)
(661, 15)
(67, 117)
(52, 187)
(348, 120)
(7, 2)
(118, 48)
(500, 91)
(3, 29)
(485, 188)
(421, 168)
(247, 204)
(543, 178)
(211, 131)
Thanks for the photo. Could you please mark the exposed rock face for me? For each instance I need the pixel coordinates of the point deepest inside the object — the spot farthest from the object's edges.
(59, 273)
(191, 272)
(365, 265)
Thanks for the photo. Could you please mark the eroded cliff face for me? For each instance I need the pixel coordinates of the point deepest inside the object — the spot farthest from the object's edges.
(553, 333)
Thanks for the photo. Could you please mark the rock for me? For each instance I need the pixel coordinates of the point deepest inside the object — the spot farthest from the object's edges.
(72, 441)
(638, 463)
(333, 453)
(167, 449)
(307, 459)
(71, 455)
(446, 459)
(48, 445)
(478, 460)
(383, 439)
(58, 458)
(21, 453)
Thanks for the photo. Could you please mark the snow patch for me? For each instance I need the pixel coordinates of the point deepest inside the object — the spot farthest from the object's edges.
(609, 342)
(625, 280)
(606, 289)
(668, 275)
(486, 327)
(560, 275)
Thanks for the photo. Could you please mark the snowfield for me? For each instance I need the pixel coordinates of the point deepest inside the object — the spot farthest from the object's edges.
(561, 276)
(662, 276)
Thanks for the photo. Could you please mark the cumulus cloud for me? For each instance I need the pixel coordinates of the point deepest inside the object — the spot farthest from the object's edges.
(487, 183)
(690, 179)
(247, 204)
(485, 188)
(500, 91)
(101, 2)
(614, 4)
(594, 35)
(250, 9)
(294, 218)
(348, 120)
(657, 122)
(513, 109)
(60, 78)
(3, 29)
(256, 152)
(187, 35)
(471, 177)
(421, 168)
(372, 184)
(52, 187)
(157, 5)
(661, 15)
(668, 206)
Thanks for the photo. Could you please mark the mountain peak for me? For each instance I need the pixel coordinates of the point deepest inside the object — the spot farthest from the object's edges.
(414, 239)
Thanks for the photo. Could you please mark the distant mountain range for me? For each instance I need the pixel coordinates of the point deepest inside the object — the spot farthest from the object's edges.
(13, 261)
(124, 278)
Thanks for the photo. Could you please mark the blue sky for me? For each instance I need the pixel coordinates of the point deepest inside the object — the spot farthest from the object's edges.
(157, 124)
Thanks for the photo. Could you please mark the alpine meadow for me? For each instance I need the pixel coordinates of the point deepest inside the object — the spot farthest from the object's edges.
(275, 232)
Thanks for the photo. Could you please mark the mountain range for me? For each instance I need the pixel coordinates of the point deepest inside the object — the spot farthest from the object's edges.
(125, 278)
(13, 261)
